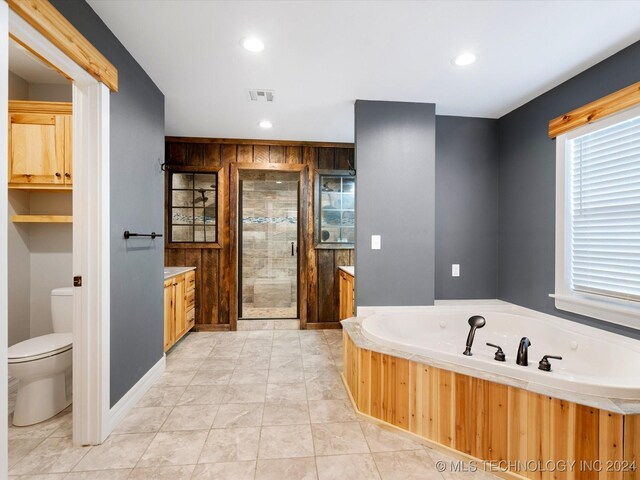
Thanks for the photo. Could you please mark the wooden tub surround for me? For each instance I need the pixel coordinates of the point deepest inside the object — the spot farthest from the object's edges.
(515, 430)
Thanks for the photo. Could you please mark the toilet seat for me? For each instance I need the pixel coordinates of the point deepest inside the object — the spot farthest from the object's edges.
(40, 347)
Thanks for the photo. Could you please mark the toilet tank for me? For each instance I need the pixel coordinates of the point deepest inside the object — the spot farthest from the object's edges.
(62, 309)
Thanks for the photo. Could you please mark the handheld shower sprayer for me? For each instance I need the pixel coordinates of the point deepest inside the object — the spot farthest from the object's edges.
(475, 322)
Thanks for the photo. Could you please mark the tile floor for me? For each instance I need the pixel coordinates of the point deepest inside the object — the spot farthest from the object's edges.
(233, 406)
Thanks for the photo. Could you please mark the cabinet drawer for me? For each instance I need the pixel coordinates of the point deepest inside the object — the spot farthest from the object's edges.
(190, 280)
(190, 299)
(191, 318)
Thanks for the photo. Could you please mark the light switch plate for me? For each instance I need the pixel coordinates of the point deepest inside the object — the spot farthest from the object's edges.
(455, 269)
(375, 242)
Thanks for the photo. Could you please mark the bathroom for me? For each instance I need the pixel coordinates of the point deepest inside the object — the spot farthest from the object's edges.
(323, 264)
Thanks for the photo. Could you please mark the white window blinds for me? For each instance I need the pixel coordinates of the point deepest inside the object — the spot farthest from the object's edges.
(605, 211)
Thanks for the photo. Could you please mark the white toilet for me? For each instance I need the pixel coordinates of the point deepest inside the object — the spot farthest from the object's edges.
(42, 363)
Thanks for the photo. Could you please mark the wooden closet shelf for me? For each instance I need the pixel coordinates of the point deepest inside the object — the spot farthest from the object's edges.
(42, 219)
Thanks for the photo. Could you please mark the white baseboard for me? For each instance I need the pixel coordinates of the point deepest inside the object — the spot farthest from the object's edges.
(131, 398)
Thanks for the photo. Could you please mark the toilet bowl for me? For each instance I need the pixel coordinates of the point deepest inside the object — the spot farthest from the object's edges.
(42, 364)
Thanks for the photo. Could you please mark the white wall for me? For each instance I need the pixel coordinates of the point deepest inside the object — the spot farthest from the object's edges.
(19, 263)
(18, 87)
(50, 246)
(39, 261)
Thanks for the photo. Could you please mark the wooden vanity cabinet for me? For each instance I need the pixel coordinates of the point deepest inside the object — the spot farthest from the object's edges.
(40, 146)
(346, 288)
(179, 307)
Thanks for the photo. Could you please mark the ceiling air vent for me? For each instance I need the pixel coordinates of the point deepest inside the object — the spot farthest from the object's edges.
(260, 95)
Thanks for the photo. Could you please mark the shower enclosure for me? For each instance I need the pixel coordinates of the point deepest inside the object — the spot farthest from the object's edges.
(268, 240)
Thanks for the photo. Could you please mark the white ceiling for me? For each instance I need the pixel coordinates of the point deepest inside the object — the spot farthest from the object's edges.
(322, 56)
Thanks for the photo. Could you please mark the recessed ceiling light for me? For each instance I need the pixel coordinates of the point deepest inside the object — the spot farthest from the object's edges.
(265, 124)
(464, 59)
(253, 44)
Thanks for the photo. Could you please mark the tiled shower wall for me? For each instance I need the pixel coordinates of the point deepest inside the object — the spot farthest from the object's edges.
(269, 226)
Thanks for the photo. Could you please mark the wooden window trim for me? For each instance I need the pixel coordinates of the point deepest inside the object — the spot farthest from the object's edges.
(220, 194)
(596, 110)
(43, 16)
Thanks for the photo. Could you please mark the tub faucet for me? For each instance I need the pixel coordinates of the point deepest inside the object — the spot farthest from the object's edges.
(475, 322)
(523, 352)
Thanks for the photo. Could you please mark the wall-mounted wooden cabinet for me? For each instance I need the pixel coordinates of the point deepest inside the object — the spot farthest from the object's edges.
(179, 307)
(40, 145)
(347, 292)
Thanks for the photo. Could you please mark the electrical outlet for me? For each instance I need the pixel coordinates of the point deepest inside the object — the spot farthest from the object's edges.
(375, 242)
(455, 269)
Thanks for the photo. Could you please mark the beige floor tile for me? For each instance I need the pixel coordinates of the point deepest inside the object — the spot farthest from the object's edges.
(288, 441)
(212, 377)
(219, 362)
(351, 467)
(39, 430)
(381, 439)
(118, 451)
(174, 448)
(318, 390)
(20, 447)
(407, 465)
(239, 415)
(245, 393)
(286, 392)
(203, 395)
(285, 376)
(43, 476)
(177, 472)
(338, 438)
(287, 468)
(175, 379)
(143, 419)
(286, 413)
(329, 411)
(225, 471)
(254, 360)
(161, 397)
(66, 427)
(244, 377)
(53, 455)
(288, 362)
(120, 474)
(182, 363)
(231, 445)
(191, 417)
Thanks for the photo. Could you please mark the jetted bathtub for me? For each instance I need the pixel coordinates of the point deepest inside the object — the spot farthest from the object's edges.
(594, 362)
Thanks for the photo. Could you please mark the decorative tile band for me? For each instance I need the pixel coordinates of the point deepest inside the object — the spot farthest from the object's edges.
(289, 220)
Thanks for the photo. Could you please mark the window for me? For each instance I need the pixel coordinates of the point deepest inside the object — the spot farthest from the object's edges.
(335, 209)
(194, 207)
(598, 215)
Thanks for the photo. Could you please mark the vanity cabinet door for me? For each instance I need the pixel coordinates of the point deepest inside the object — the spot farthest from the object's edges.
(169, 314)
(346, 292)
(180, 307)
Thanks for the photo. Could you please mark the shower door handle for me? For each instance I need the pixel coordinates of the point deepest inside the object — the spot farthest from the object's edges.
(292, 250)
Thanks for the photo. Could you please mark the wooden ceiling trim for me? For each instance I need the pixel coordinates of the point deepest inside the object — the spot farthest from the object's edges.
(43, 16)
(596, 110)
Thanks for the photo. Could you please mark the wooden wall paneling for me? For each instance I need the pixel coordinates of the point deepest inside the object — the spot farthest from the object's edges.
(245, 141)
(611, 441)
(261, 153)
(326, 284)
(305, 243)
(210, 283)
(343, 158)
(364, 382)
(245, 153)
(430, 401)
(563, 424)
(496, 420)
(195, 154)
(326, 158)
(465, 418)
(538, 427)
(174, 256)
(276, 154)
(293, 154)
(211, 155)
(176, 154)
(446, 417)
(310, 158)
(586, 442)
(517, 434)
(631, 431)
(229, 155)
(377, 380)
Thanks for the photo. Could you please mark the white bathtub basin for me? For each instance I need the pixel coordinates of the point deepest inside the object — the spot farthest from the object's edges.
(594, 362)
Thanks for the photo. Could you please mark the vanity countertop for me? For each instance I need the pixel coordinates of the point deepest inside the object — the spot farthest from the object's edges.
(349, 270)
(170, 272)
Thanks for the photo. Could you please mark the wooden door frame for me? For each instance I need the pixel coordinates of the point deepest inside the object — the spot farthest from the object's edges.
(91, 234)
(303, 238)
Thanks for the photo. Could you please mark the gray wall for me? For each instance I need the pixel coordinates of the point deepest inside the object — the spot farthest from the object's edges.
(527, 184)
(395, 160)
(137, 202)
(466, 228)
